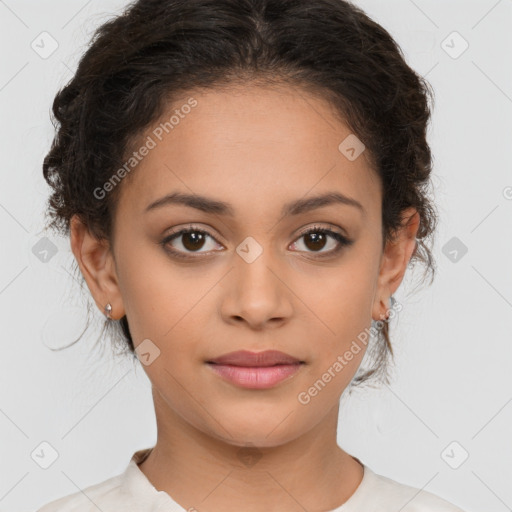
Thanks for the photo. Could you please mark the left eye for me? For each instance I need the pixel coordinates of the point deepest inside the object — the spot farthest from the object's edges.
(316, 238)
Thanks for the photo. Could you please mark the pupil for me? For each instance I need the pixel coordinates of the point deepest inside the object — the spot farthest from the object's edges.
(193, 241)
(315, 237)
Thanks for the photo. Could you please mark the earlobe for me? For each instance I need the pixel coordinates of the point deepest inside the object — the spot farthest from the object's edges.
(395, 260)
(95, 259)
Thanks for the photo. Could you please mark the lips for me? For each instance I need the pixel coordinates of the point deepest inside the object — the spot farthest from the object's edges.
(255, 359)
(255, 370)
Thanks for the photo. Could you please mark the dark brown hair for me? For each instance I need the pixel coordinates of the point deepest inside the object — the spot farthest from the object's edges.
(156, 50)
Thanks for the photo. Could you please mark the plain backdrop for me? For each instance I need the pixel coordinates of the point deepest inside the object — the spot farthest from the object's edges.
(443, 424)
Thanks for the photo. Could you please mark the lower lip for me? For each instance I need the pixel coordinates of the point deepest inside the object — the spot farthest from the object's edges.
(257, 377)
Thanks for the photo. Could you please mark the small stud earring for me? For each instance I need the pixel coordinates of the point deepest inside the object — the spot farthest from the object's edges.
(392, 302)
(108, 310)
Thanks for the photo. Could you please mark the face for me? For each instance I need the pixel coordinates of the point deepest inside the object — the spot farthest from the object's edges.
(246, 276)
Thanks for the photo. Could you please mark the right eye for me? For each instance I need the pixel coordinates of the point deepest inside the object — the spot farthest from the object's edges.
(190, 240)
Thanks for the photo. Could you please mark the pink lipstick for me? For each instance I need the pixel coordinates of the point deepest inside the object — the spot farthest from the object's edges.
(255, 370)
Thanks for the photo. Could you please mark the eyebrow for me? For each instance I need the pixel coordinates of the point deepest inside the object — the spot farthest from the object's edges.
(213, 206)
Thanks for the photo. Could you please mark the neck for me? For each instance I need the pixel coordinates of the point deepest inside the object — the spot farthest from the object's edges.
(203, 472)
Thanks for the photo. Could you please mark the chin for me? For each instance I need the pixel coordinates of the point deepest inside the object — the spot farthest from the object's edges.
(258, 432)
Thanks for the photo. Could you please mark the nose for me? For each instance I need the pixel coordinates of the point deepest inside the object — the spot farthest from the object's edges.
(257, 293)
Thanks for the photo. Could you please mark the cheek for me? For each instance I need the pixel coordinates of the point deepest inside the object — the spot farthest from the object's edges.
(166, 313)
(342, 319)
(342, 299)
(153, 297)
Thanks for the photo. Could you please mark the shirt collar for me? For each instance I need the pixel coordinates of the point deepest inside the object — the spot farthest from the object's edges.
(142, 492)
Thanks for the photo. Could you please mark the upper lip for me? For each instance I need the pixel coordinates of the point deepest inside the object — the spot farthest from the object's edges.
(246, 358)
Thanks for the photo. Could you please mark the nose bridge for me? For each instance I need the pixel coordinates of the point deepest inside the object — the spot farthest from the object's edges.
(253, 264)
(256, 291)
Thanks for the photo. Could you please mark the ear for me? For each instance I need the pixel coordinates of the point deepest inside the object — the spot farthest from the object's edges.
(96, 263)
(394, 261)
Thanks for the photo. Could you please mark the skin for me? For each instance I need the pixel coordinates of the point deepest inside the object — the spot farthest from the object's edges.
(255, 148)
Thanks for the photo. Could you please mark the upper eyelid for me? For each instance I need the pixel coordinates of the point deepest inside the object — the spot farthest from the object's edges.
(193, 228)
(320, 228)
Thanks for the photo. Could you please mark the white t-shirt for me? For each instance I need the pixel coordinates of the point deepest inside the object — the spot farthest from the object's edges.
(131, 491)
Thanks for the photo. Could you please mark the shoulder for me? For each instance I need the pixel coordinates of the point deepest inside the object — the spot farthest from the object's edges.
(383, 494)
(127, 491)
(89, 499)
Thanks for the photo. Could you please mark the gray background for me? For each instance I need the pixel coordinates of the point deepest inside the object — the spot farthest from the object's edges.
(452, 391)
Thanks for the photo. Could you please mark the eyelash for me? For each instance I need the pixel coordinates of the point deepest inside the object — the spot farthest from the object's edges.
(341, 239)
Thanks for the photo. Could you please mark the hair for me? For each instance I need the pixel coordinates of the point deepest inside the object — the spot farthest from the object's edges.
(142, 60)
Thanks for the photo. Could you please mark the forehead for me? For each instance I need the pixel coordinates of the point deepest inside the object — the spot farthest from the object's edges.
(248, 145)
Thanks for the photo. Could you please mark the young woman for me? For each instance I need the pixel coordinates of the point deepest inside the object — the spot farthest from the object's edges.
(244, 183)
